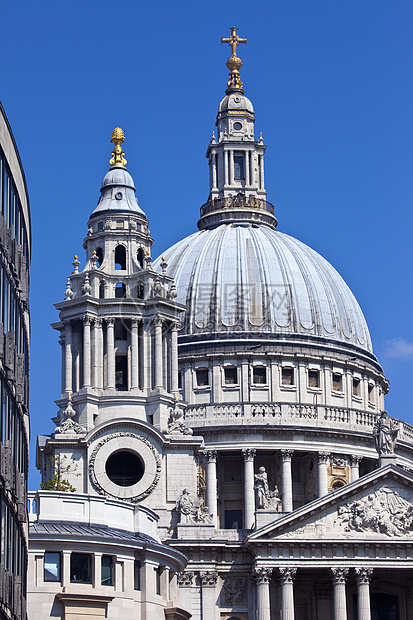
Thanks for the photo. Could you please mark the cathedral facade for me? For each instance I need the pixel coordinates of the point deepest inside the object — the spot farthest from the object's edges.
(221, 447)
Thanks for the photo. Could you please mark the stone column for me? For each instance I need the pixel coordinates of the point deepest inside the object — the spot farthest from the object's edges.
(158, 353)
(323, 459)
(185, 582)
(287, 593)
(214, 171)
(86, 351)
(363, 592)
(211, 484)
(287, 481)
(231, 167)
(208, 579)
(340, 603)
(98, 353)
(110, 345)
(262, 178)
(134, 354)
(63, 370)
(262, 577)
(68, 356)
(249, 499)
(247, 168)
(226, 166)
(355, 469)
(174, 358)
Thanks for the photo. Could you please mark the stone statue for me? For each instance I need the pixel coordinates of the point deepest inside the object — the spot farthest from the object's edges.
(385, 433)
(262, 491)
(190, 511)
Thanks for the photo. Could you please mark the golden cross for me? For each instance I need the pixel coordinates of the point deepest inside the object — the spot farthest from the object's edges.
(233, 40)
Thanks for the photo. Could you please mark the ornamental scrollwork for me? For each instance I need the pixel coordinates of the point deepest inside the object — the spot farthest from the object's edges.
(261, 574)
(287, 574)
(186, 578)
(339, 575)
(208, 578)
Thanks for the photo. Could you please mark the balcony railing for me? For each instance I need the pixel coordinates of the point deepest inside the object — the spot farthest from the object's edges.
(240, 201)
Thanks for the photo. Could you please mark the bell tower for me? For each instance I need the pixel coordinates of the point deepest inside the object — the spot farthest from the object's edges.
(119, 319)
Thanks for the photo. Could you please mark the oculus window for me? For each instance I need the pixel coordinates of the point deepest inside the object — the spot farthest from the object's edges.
(124, 468)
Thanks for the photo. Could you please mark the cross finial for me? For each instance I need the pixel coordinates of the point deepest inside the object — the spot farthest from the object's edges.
(234, 40)
(234, 63)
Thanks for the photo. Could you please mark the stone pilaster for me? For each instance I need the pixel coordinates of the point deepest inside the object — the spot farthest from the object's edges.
(158, 353)
(68, 356)
(110, 341)
(208, 579)
(86, 350)
(134, 354)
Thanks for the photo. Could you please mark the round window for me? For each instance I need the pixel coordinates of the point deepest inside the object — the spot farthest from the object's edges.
(124, 468)
(237, 126)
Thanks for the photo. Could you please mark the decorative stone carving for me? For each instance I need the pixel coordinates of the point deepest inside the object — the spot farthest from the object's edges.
(69, 426)
(68, 292)
(211, 455)
(383, 512)
(176, 423)
(363, 575)
(261, 574)
(208, 578)
(287, 574)
(286, 455)
(233, 592)
(185, 578)
(323, 457)
(248, 454)
(263, 496)
(385, 433)
(355, 460)
(339, 575)
(190, 511)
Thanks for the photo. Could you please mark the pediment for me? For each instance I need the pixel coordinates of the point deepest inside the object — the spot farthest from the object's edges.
(378, 506)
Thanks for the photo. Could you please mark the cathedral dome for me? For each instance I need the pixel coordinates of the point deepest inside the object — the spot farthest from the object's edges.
(251, 280)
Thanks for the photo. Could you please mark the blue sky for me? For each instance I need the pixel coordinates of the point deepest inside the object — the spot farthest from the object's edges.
(331, 82)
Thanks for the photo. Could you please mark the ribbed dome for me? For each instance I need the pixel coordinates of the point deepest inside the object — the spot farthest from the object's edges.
(236, 102)
(243, 278)
(118, 192)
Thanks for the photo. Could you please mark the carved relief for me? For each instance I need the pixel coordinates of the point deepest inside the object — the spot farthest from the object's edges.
(190, 511)
(233, 592)
(383, 512)
(208, 578)
(186, 578)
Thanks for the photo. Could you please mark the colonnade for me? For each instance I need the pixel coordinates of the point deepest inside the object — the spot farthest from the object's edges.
(262, 576)
(286, 477)
(98, 368)
(229, 177)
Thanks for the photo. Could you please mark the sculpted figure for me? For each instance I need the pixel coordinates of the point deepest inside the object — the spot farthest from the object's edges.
(385, 434)
(262, 491)
(185, 507)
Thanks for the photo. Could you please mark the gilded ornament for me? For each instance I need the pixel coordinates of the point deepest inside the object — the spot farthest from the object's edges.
(118, 159)
(234, 63)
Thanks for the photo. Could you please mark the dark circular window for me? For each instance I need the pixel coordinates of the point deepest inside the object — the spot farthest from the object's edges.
(118, 196)
(124, 468)
(237, 126)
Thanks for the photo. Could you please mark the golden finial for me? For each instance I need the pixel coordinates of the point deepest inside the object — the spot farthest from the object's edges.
(234, 63)
(118, 158)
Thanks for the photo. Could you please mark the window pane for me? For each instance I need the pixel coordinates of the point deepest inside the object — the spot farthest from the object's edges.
(51, 566)
(137, 575)
(287, 376)
(202, 377)
(106, 571)
(259, 375)
(231, 377)
(80, 568)
(239, 167)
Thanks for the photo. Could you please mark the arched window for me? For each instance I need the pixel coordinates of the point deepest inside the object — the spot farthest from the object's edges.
(99, 254)
(120, 290)
(139, 257)
(120, 257)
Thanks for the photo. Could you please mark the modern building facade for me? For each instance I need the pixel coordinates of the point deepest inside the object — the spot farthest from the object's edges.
(14, 374)
(229, 392)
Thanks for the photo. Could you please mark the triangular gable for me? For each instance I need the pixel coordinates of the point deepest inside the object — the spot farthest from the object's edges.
(377, 506)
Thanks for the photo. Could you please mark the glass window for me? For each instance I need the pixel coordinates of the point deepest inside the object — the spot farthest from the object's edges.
(337, 382)
(202, 377)
(287, 376)
(231, 376)
(107, 570)
(81, 568)
(239, 173)
(313, 378)
(137, 575)
(158, 572)
(51, 566)
(356, 386)
(233, 519)
(370, 389)
(259, 375)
